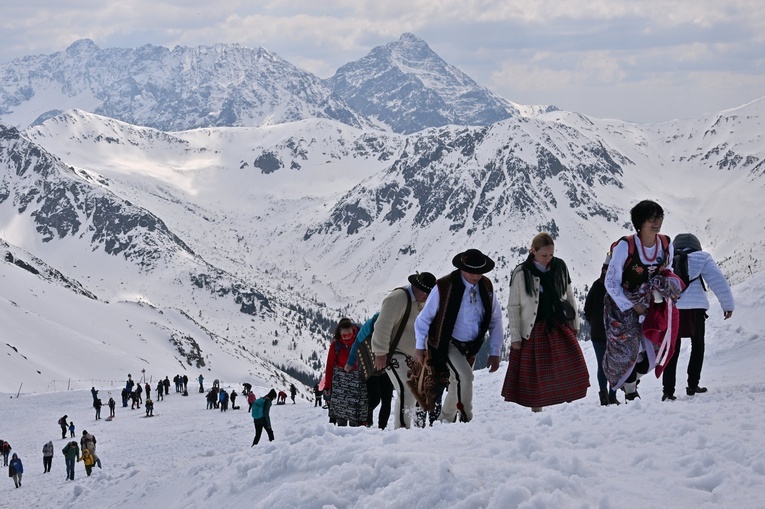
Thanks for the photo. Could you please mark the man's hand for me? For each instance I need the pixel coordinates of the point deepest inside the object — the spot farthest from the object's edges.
(516, 345)
(348, 368)
(419, 356)
(640, 310)
(381, 362)
(493, 363)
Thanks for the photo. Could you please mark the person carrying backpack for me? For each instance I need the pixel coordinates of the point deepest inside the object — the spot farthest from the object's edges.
(261, 409)
(698, 270)
(64, 426)
(639, 309)
(393, 343)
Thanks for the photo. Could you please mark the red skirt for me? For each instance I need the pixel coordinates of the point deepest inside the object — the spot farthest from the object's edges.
(549, 369)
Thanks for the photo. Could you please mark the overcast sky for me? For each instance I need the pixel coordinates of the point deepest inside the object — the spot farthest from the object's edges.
(645, 61)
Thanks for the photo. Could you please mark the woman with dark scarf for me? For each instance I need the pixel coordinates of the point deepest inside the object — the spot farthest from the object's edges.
(546, 366)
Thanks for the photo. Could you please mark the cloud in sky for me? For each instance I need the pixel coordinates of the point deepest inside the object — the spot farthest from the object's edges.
(646, 61)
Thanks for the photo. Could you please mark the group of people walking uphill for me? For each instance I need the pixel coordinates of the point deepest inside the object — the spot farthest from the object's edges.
(427, 334)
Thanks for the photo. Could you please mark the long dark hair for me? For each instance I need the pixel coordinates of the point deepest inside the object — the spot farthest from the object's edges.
(344, 323)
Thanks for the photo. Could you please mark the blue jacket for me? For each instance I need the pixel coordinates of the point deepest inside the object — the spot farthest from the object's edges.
(365, 331)
(15, 465)
(261, 408)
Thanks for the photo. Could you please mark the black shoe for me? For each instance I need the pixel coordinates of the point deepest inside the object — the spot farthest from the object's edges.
(668, 396)
(630, 396)
(612, 399)
(603, 395)
(690, 391)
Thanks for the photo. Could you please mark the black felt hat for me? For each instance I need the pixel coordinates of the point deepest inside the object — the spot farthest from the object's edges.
(424, 281)
(473, 261)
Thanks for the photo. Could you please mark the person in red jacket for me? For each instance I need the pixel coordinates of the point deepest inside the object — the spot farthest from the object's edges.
(347, 393)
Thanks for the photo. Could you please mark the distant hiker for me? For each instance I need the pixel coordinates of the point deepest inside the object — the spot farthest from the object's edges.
(134, 401)
(293, 392)
(223, 400)
(160, 392)
(246, 389)
(546, 366)
(147, 390)
(15, 469)
(201, 381)
(216, 384)
(185, 383)
(129, 384)
(698, 270)
(63, 423)
(166, 384)
(6, 450)
(97, 405)
(457, 315)
(282, 398)
(261, 409)
(94, 393)
(316, 394)
(177, 383)
(149, 407)
(593, 313)
(71, 453)
(640, 301)
(211, 399)
(112, 404)
(138, 393)
(88, 441)
(125, 395)
(250, 400)
(393, 342)
(87, 460)
(47, 452)
(232, 397)
(71, 429)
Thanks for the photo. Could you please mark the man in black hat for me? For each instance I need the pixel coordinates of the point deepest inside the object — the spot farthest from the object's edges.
(459, 312)
(392, 314)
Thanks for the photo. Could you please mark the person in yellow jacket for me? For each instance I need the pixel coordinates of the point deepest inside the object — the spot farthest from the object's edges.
(88, 459)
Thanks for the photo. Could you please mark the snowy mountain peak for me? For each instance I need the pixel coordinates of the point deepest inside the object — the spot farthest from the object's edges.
(407, 86)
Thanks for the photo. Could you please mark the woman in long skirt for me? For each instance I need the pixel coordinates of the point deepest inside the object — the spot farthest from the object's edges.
(546, 366)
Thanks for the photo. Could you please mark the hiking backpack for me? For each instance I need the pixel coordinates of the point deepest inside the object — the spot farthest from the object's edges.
(366, 358)
(630, 240)
(684, 244)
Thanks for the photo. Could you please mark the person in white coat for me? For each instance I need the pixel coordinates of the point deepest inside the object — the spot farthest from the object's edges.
(703, 272)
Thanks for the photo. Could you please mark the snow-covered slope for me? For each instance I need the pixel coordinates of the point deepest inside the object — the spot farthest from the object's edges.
(262, 232)
(700, 452)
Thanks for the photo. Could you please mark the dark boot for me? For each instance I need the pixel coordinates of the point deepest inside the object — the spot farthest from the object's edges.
(690, 391)
(603, 395)
(667, 396)
(612, 399)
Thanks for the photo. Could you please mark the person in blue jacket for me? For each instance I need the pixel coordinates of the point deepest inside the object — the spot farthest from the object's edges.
(261, 418)
(15, 469)
(379, 386)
